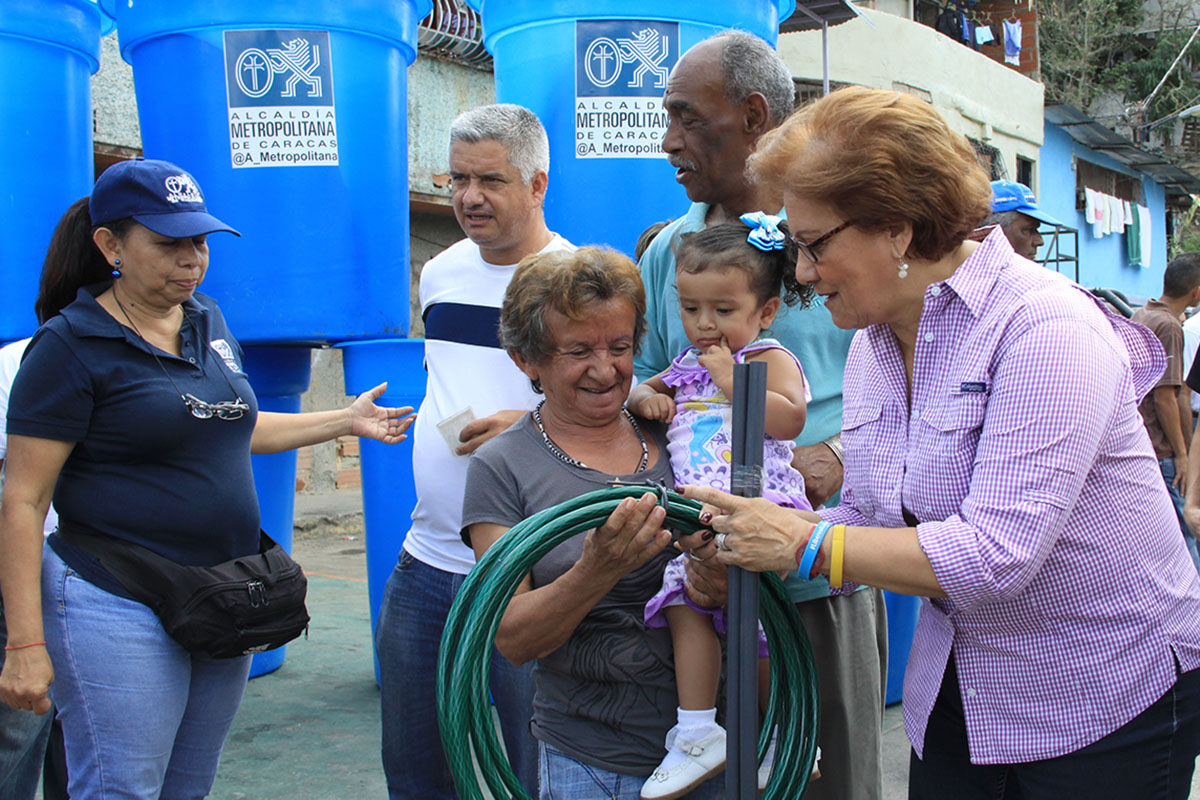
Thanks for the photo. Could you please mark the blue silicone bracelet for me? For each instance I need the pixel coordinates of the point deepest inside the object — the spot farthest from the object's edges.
(814, 547)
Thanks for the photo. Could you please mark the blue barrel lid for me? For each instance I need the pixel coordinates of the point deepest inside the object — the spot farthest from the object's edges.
(394, 21)
(502, 17)
(72, 24)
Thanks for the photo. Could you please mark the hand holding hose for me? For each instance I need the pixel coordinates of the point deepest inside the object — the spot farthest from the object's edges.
(632, 535)
(758, 535)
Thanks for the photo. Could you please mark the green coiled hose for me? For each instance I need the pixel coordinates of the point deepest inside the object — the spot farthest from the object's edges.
(465, 717)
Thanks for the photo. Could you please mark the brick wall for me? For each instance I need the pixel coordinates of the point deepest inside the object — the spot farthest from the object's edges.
(994, 12)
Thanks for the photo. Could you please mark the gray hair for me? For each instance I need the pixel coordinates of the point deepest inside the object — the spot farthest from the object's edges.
(515, 127)
(748, 64)
(1003, 218)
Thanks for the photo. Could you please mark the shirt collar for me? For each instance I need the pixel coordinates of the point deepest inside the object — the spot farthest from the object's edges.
(974, 279)
(697, 214)
(86, 317)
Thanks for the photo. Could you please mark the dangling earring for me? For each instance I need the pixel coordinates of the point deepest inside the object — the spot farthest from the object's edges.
(902, 269)
(116, 273)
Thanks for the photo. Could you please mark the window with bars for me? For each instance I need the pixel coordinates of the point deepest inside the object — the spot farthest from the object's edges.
(990, 158)
(1107, 181)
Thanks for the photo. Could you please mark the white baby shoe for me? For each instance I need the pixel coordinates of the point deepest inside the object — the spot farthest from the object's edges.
(700, 761)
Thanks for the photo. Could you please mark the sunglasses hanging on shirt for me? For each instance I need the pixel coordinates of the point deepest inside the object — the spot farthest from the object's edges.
(200, 409)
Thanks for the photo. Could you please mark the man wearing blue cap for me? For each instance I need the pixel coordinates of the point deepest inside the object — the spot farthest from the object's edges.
(1015, 210)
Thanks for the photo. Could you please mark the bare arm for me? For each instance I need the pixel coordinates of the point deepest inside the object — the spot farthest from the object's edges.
(33, 468)
(539, 621)
(478, 431)
(1185, 414)
(653, 399)
(1191, 506)
(786, 407)
(1166, 405)
(275, 432)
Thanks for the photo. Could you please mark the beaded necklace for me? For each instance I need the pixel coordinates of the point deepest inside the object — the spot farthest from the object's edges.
(553, 448)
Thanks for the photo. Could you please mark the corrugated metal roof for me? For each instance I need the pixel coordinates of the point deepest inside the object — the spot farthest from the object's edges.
(1095, 136)
(832, 12)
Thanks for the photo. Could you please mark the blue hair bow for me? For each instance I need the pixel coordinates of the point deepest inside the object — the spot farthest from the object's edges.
(764, 231)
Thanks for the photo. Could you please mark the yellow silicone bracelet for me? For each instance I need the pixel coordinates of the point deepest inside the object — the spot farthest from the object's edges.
(836, 555)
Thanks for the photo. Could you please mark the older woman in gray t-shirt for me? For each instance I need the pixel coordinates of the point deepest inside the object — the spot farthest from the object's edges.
(605, 689)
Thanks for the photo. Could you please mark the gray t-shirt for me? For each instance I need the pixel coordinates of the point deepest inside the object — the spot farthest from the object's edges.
(607, 696)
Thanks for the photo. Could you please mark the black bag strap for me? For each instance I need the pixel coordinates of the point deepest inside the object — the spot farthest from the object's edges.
(143, 573)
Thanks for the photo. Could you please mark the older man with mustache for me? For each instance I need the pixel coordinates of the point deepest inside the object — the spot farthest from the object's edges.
(723, 94)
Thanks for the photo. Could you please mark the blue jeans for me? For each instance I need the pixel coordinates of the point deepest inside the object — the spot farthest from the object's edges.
(416, 602)
(563, 778)
(1167, 465)
(23, 737)
(141, 717)
(1151, 757)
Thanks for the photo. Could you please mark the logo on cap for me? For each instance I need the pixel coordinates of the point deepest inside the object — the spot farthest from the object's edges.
(182, 189)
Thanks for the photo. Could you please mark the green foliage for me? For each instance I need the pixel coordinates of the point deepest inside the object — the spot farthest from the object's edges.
(1093, 47)
(1146, 64)
(1186, 236)
(1082, 45)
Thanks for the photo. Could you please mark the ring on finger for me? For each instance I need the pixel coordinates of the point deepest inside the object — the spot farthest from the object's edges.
(720, 540)
(695, 557)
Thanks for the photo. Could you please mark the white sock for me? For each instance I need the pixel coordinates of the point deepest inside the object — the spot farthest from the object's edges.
(702, 722)
(692, 726)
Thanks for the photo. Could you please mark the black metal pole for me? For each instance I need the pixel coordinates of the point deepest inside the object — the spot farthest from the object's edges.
(741, 673)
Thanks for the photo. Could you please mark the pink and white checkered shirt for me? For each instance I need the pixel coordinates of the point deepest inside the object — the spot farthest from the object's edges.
(1070, 594)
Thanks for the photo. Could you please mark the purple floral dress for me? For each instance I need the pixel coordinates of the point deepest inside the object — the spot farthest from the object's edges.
(700, 443)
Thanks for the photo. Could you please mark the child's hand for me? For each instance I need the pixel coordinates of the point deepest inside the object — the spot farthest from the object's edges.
(718, 360)
(660, 407)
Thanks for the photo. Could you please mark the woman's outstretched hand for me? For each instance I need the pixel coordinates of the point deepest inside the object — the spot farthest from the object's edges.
(370, 421)
(757, 534)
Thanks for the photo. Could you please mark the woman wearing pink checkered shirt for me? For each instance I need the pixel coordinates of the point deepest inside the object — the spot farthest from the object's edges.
(996, 466)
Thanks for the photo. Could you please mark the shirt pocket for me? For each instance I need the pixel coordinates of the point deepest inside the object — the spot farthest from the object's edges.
(951, 436)
(865, 449)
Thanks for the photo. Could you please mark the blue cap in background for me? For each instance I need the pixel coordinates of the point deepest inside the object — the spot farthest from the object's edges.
(1013, 196)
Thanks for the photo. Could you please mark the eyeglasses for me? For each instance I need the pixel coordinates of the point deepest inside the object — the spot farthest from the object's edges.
(809, 249)
(226, 409)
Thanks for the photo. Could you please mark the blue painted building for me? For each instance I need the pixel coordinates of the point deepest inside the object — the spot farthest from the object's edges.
(1076, 152)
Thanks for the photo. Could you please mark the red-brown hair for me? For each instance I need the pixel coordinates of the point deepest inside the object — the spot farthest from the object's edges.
(880, 158)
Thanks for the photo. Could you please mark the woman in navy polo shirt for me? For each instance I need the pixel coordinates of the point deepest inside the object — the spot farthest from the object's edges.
(133, 410)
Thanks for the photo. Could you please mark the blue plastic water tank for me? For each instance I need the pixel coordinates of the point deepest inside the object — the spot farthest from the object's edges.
(902, 613)
(279, 376)
(50, 49)
(387, 470)
(225, 84)
(540, 64)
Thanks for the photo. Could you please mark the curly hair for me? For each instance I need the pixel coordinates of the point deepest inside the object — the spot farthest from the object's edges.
(570, 282)
(880, 158)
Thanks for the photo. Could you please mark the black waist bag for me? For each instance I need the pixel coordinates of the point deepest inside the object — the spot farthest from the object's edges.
(243, 606)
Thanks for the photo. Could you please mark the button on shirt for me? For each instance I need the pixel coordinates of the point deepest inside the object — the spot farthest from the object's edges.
(1070, 596)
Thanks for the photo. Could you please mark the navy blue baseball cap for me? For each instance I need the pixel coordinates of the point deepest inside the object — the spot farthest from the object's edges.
(1013, 196)
(157, 194)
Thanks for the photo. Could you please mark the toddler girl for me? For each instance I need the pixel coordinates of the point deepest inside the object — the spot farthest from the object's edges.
(730, 279)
